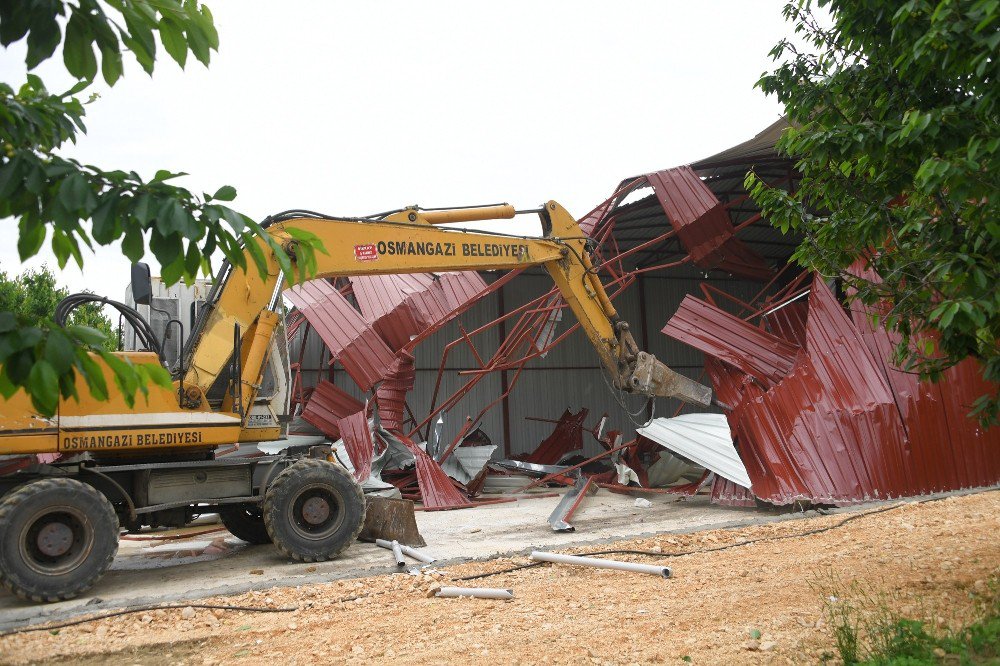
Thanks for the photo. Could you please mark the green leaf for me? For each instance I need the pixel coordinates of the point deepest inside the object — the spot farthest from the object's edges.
(105, 224)
(143, 208)
(43, 38)
(43, 385)
(225, 193)
(75, 192)
(111, 64)
(132, 244)
(173, 40)
(172, 218)
(59, 351)
(78, 50)
(31, 236)
(86, 335)
(92, 374)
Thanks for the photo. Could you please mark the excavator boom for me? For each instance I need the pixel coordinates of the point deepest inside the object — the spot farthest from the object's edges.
(410, 241)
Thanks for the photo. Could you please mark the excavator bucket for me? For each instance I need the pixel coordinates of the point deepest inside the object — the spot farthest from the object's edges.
(392, 520)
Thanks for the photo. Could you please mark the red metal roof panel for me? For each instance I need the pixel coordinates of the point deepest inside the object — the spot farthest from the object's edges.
(703, 225)
(360, 350)
(358, 442)
(728, 338)
(327, 405)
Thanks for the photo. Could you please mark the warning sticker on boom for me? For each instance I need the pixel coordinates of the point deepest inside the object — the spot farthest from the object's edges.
(365, 252)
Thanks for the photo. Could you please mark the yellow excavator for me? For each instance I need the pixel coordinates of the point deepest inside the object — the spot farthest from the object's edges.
(155, 463)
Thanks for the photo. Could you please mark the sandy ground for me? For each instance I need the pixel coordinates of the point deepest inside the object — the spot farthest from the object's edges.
(934, 558)
(141, 577)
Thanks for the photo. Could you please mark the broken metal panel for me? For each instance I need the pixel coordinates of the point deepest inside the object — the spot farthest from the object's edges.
(946, 446)
(378, 295)
(703, 225)
(728, 338)
(327, 405)
(360, 350)
(466, 462)
(727, 493)
(701, 438)
(437, 490)
(391, 392)
(570, 502)
(460, 288)
(358, 441)
(843, 426)
(567, 436)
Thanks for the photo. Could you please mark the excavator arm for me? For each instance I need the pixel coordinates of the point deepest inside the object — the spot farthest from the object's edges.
(245, 306)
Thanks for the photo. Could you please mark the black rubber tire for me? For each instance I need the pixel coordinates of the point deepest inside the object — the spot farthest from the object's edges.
(292, 534)
(75, 510)
(245, 521)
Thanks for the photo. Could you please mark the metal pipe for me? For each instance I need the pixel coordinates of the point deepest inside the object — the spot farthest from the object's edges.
(559, 558)
(398, 554)
(406, 550)
(477, 592)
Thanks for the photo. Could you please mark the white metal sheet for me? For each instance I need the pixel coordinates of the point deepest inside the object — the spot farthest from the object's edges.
(701, 438)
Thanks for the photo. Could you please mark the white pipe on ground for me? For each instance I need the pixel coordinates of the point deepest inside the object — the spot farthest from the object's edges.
(411, 552)
(477, 592)
(559, 558)
(398, 554)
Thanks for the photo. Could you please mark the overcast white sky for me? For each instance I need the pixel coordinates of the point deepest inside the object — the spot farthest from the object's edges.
(352, 108)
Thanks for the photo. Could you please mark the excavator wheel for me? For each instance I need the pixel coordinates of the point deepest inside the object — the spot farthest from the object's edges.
(245, 521)
(313, 510)
(57, 538)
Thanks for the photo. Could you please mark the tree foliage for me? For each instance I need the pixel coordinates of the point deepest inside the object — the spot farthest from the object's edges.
(73, 205)
(896, 131)
(34, 294)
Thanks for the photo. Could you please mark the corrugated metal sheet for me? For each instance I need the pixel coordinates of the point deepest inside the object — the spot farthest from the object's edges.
(728, 493)
(843, 426)
(360, 350)
(702, 438)
(391, 392)
(327, 406)
(401, 306)
(436, 488)
(358, 442)
(378, 295)
(703, 225)
(567, 436)
(728, 338)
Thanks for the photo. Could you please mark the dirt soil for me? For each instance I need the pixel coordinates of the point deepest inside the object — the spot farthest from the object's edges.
(933, 558)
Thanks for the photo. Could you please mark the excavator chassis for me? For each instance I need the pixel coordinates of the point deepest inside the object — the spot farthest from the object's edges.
(60, 523)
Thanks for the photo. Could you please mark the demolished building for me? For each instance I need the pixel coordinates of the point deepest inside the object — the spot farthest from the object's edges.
(444, 365)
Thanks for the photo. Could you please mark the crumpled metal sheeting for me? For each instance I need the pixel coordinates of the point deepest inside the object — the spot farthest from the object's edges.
(703, 225)
(359, 444)
(401, 306)
(831, 430)
(378, 295)
(437, 491)
(727, 493)
(567, 436)
(701, 438)
(359, 349)
(934, 414)
(391, 392)
(460, 288)
(717, 333)
(327, 406)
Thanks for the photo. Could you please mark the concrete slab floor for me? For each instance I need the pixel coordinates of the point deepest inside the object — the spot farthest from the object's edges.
(141, 574)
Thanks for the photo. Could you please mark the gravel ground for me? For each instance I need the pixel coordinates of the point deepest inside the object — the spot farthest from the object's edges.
(933, 558)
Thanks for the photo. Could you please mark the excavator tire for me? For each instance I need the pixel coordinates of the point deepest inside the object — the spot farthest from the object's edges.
(314, 510)
(246, 521)
(58, 536)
